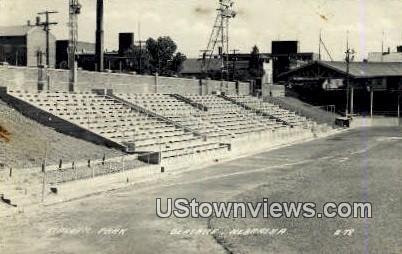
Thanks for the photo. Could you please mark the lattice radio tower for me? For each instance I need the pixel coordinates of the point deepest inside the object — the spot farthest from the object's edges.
(74, 11)
(219, 38)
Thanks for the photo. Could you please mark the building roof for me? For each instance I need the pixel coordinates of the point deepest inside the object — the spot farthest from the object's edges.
(358, 69)
(16, 30)
(368, 69)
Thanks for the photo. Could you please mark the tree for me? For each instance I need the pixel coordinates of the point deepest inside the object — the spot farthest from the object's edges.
(255, 67)
(163, 58)
(140, 59)
(177, 62)
(157, 56)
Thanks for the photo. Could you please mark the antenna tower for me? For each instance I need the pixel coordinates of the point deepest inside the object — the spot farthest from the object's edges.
(219, 38)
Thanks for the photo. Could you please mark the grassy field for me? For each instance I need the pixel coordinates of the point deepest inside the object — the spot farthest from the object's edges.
(358, 165)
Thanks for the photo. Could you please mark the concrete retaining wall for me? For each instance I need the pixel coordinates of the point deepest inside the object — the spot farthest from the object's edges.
(23, 78)
(379, 121)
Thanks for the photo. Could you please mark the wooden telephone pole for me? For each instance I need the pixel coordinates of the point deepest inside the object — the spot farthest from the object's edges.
(46, 27)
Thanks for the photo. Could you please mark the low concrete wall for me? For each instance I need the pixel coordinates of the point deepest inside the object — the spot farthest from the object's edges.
(255, 142)
(379, 121)
(23, 78)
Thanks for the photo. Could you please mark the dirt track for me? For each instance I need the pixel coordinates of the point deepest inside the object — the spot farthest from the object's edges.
(361, 165)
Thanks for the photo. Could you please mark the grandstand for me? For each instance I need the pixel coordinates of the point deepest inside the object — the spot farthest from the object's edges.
(233, 117)
(71, 133)
(162, 126)
(320, 115)
(118, 124)
(30, 143)
(288, 117)
(179, 111)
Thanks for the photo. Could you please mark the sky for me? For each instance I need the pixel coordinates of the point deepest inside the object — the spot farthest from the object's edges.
(189, 22)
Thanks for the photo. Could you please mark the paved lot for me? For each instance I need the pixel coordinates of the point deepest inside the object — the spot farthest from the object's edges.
(360, 165)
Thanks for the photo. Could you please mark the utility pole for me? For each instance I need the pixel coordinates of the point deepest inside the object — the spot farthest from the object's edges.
(74, 11)
(46, 27)
(203, 62)
(140, 43)
(349, 56)
(319, 47)
(234, 60)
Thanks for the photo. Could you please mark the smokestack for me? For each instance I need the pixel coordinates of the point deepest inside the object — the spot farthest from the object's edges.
(99, 35)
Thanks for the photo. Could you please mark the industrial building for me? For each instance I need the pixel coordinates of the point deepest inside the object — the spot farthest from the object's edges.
(26, 46)
(85, 54)
(284, 56)
(83, 48)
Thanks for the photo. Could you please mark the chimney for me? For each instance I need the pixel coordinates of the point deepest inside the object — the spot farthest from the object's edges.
(28, 23)
(99, 36)
(38, 21)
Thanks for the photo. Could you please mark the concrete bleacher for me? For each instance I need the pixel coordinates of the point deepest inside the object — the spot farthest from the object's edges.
(119, 123)
(287, 116)
(321, 115)
(177, 111)
(232, 117)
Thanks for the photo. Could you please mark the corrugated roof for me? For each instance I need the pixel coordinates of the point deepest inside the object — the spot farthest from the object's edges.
(357, 69)
(368, 69)
(15, 30)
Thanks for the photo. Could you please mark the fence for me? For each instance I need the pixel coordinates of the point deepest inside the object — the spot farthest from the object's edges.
(90, 169)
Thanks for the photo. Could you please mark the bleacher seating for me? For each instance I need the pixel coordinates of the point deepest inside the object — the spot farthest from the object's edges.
(177, 111)
(321, 115)
(286, 116)
(118, 122)
(232, 117)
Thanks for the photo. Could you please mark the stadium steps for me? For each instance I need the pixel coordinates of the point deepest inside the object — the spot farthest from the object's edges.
(232, 117)
(191, 102)
(169, 146)
(312, 112)
(112, 115)
(180, 112)
(256, 111)
(150, 113)
(288, 116)
(28, 105)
